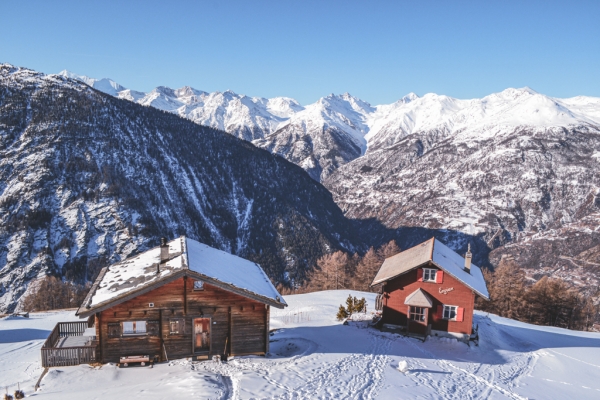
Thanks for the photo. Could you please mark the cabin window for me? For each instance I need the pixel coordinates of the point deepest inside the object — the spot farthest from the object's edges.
(417, 314)
(450, 312)
(429, 274)
(175, 326)
(198, 285)
(134, 327)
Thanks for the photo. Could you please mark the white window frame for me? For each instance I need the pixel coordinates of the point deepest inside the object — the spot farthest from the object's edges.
(429, 274)
(448, 310)
(133, 328)
(417, 311)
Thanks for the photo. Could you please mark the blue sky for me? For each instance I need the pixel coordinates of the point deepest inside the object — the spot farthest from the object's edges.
(376, 50)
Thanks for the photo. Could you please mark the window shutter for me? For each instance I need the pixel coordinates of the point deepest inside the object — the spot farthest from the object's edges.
(114, 330)
(153, 328)
(440, 312)
(439, 276)
(420, 275)
(459, 314)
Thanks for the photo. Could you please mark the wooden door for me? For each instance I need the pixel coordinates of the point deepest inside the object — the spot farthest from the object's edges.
(417, 320)
(201, 335)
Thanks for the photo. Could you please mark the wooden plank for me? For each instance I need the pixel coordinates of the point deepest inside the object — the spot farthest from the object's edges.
(267, 330)
(185, 279)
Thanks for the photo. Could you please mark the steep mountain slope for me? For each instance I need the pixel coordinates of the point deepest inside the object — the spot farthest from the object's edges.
(323, 136)
(86, 179)
(516, 167)
(319, 137)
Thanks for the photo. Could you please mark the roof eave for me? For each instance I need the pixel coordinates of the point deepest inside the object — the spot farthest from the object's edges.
(130, 295)
(400, 274)
(460, 280)
(86, 312)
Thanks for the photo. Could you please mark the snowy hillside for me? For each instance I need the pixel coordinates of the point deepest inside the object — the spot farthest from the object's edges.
(87, 179)
(315, 356)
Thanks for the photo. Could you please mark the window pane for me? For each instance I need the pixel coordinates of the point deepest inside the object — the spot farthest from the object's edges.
(128, 327)
(140, 326)
(198, 285)
(429, 274)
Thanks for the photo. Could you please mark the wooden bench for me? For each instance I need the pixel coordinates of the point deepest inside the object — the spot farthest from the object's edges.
(125, 361)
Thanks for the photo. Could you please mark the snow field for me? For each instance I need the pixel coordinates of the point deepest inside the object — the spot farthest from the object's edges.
(314, 356)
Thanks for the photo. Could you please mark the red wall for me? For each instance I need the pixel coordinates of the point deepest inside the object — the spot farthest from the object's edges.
(397, 289)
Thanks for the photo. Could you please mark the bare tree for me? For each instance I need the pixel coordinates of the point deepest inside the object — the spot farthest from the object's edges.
(331, 272)
(389, 249)
(51, 293)
(367, 269)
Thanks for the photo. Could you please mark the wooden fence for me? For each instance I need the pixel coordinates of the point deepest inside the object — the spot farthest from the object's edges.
(53, 356)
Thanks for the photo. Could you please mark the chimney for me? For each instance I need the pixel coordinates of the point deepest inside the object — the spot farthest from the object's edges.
(164, 250)
(468, 257)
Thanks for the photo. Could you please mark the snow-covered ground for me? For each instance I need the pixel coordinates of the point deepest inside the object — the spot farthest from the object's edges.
(315, 356)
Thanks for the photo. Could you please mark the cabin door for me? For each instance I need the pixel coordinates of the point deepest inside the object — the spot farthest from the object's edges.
(201, 335)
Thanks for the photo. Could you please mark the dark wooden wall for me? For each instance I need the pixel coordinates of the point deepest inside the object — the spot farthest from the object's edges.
(247, 319)
(397, 289)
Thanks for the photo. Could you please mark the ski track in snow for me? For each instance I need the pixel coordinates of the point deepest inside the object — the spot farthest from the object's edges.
(353, 376)
(478, 386)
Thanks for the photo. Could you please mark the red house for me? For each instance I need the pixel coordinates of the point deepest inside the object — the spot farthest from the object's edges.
(430, 290)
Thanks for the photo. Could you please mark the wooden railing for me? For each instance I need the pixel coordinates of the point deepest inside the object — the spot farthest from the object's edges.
(65, 356)
(53, 356)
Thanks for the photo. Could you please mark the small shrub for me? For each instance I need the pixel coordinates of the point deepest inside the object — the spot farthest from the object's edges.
(342, 314)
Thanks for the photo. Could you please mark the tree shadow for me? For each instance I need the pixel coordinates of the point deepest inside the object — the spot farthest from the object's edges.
(22, 335)
(497, 342)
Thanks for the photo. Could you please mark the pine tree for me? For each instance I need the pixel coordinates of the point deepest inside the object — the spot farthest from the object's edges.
(350, 304)
(342, 313)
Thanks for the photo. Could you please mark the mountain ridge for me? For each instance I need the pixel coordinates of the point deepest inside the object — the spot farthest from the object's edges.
(87, 179)
(336, 129)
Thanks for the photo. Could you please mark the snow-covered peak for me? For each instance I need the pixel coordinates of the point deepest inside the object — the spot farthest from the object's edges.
(104, 85)
(356, 122)
(478, 118)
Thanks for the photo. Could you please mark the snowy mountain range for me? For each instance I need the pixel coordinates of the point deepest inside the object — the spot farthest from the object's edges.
(87, 179)
(337, 129)
(517, 169)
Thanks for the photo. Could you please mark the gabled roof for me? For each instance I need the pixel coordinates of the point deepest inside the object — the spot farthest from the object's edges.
(140, 274)
(441, 256)
(418, 298)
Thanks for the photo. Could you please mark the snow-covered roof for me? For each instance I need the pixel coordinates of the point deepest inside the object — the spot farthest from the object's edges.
(139, 274)
(439, 254)
(418, 298)
(227, 268)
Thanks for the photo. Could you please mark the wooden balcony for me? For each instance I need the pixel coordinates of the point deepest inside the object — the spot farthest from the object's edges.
(67, 345)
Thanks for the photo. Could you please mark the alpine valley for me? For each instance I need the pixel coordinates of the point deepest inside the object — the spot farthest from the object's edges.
(516, 173)
(89, 176)
(88, 179)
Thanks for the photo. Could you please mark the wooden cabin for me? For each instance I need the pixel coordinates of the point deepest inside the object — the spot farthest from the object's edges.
(182, 299)
(430, 290)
